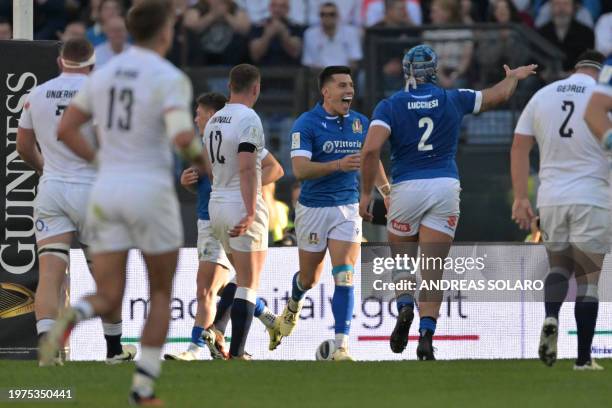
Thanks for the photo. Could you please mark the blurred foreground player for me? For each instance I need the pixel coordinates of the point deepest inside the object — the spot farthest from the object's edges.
(597, 114)
(142, 105)
(422, 123)
(573, 199)
(213, 271)
(63, 192)
(239, 218)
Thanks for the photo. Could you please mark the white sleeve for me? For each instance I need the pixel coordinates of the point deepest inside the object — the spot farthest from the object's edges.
(524, 125)
(264, 152)
(25, 121)
(83, 99)
(414, 11)
(252, 132)
(177, 93)
(309, 57)
(355, 51)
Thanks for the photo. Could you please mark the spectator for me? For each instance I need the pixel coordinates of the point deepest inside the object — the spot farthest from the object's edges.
(49, 17)
(76, 29)
(259, 10)
(117, 42)
(396, 16)
(565, 32)
(179, 53)
(277, 41)
(582, 15)
(467, 12)
(106, 10)
(496, 48)
(453, 46)
(331, 43)
(219, 29)
(6, 31)
(373, 11)
(349, 11)
(603, 34)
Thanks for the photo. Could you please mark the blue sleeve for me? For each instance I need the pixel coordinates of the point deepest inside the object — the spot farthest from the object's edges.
(382, 114)
(467, 100)
(301, 138)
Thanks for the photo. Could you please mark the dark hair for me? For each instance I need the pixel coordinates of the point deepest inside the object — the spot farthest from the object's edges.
(328, 72)
(514, 14)
(118, 2)
(148, 18)
(391, 3)
(77, 50)
(213, 100)
(591, 55)
(329, 4)
(242, 77)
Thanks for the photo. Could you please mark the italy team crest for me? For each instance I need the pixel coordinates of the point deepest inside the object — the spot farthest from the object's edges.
(357, 126)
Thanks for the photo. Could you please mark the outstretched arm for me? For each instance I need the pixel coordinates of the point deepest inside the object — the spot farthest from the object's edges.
(371, 166)
(503, 90)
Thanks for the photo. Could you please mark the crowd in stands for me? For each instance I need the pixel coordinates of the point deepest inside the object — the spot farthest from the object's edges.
(316, 33)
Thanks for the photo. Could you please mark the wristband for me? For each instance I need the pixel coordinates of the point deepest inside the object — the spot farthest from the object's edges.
(606, 140)
(384, 190)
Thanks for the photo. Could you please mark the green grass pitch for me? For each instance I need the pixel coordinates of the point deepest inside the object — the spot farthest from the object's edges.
(478, 383)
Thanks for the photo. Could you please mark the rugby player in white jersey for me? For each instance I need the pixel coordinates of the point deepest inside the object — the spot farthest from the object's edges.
(142, 106)
(63, 191)
(239, 218)
(212, 279)
(573, 200)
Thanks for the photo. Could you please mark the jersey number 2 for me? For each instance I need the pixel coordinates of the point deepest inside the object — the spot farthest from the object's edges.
(564, 131)
(428, 124)
(218, 138)
(126, 97)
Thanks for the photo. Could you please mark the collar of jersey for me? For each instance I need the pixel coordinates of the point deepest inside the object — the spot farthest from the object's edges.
(72, 75)
(421, 88)
(321, 111)
(138, 49)
(583, 77)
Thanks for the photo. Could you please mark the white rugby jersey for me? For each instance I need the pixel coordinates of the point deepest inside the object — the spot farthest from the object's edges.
(42, 112)
(128, 98)
(230, 126)
(573, 167)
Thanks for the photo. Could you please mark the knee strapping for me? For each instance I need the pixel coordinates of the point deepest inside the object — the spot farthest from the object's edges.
(59, 250)
(343, 275)
(587, 291)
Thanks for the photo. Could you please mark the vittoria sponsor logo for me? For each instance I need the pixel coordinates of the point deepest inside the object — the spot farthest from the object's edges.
(17, 248)
(400, 226)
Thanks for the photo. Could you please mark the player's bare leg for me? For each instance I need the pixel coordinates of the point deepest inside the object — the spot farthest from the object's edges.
(211, 279)
(110, 285)
(53, 258)
(248, 270)
(555, 290)
(161, 269)
(434, 244)
(403, 245)
(343, 257)
(311, 267)
(587, 272)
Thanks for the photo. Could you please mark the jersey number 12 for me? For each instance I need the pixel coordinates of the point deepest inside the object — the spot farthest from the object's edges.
(218, 138)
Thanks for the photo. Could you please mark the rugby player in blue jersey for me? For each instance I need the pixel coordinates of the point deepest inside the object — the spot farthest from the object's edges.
(325, 146)
(422, 123)
(213, 271)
